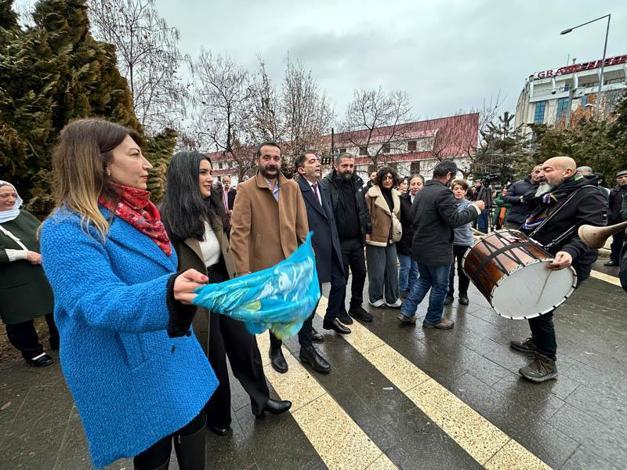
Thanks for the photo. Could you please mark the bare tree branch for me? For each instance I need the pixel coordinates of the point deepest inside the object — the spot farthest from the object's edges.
(148, 57)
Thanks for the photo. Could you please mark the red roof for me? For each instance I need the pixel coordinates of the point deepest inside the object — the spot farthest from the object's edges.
(455, 136)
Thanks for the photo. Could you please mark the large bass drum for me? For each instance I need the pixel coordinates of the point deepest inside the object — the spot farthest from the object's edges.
(511, 271)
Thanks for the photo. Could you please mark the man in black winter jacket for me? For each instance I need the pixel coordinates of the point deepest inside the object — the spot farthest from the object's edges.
(435, 214)
(573, 201)
(518, 212)
(617, 195)
(353, 223)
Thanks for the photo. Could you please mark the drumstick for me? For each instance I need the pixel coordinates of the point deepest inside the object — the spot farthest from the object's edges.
(479, 233)
(544, 287)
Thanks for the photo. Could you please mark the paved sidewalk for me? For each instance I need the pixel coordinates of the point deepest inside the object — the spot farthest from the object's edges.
(576, 422)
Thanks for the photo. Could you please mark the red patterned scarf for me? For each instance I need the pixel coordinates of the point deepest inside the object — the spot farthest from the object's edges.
(135, 207)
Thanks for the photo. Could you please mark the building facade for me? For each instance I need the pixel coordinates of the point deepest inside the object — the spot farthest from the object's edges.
(409, 148)
(557, 96)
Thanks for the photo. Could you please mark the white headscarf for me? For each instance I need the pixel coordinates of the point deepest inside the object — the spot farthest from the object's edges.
(11, 214)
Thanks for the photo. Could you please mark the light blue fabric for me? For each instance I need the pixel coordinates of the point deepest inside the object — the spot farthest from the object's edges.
(463, 234)
(279, 298)
(132, 384)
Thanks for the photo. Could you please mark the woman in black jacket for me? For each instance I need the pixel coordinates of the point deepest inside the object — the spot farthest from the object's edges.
(195, 219)
(408, 273)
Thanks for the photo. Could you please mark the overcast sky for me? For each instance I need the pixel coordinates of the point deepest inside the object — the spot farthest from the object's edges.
(447, 55)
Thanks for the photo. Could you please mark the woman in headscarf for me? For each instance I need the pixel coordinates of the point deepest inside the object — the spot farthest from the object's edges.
(24, 290)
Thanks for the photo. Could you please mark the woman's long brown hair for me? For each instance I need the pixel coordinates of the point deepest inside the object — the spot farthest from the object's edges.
(79, 167)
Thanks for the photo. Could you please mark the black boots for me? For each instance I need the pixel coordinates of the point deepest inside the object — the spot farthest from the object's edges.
(191, 449)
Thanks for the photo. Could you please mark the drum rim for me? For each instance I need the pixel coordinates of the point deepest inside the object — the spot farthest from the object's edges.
(544, 260)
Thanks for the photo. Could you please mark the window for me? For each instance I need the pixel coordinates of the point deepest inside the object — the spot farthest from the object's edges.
(414, 168)
(562, 108)
(411, 146)
(386, 148)
(363, 150)
(538, 117)
(342, 150)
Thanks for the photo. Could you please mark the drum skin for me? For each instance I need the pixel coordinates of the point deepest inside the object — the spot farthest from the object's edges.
(511, 271)
(482, 253)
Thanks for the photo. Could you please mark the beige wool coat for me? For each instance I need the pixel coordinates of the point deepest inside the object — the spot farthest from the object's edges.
(381, 216)
(264, 231)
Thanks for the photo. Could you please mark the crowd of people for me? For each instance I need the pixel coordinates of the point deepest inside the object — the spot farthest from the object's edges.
(123, 272)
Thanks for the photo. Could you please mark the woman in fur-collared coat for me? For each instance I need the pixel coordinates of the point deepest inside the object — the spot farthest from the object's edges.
(384, 206)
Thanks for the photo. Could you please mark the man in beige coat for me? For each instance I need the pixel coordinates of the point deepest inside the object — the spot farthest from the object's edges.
(269, 221)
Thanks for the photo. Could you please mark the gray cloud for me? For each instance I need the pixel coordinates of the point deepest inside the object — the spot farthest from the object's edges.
(448, 55)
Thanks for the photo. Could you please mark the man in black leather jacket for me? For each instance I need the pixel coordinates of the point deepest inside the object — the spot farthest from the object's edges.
(353, 223)
(571, 202)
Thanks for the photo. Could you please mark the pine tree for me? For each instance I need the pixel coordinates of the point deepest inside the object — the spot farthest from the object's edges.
(52, 73)
(503, 154)
(158, 151)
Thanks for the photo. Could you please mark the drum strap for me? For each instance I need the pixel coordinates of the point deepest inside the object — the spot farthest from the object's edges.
(503, 250)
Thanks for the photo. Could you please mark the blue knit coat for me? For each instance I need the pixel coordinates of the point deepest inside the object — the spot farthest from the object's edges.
(131, 382)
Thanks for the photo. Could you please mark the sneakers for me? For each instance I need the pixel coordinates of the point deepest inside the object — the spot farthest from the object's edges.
(441, 325)
(463, 300)
(358, 313)
(42, 360)
(526, 346)
(396, 304)
(345, 318)
(448, 300)
(540, 370)
(377, 303)
(404, 319)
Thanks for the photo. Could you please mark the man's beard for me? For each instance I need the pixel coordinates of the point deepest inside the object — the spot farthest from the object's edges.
(346, 176)
(264, 171)
(543, 188)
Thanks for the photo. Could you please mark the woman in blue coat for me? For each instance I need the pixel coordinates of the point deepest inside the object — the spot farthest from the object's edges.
(135, 370)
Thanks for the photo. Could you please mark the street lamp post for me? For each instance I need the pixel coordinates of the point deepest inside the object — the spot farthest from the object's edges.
(607, 32)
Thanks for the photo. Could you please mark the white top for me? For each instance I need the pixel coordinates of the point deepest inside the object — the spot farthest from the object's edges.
(210, 246)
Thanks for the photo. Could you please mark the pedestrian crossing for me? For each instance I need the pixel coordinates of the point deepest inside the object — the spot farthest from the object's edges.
(340, 441)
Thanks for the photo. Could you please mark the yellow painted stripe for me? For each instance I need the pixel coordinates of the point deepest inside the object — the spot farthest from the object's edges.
(485, 442)
(339, 441)
(605, 277)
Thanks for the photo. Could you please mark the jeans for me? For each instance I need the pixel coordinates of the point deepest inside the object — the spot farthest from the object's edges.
(434, 278)
(382, 273)
(458, 255)
(482, 221)
(353, 258)
(542, 327)
(408, 273)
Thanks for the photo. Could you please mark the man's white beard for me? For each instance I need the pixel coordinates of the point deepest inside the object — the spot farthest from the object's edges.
(543, 188)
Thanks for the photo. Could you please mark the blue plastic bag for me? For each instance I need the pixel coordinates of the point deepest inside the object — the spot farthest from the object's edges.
(279, 298)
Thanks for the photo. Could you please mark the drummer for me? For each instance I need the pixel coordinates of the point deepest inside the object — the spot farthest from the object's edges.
(569, 202)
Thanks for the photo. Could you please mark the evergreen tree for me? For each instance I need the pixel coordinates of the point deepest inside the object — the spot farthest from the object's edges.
(50, 74)
(158, 151)
(503, 154)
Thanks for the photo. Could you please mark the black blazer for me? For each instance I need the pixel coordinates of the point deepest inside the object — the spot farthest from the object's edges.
(325, 241)
(403, 247)
(230, 197)
(434, 215)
